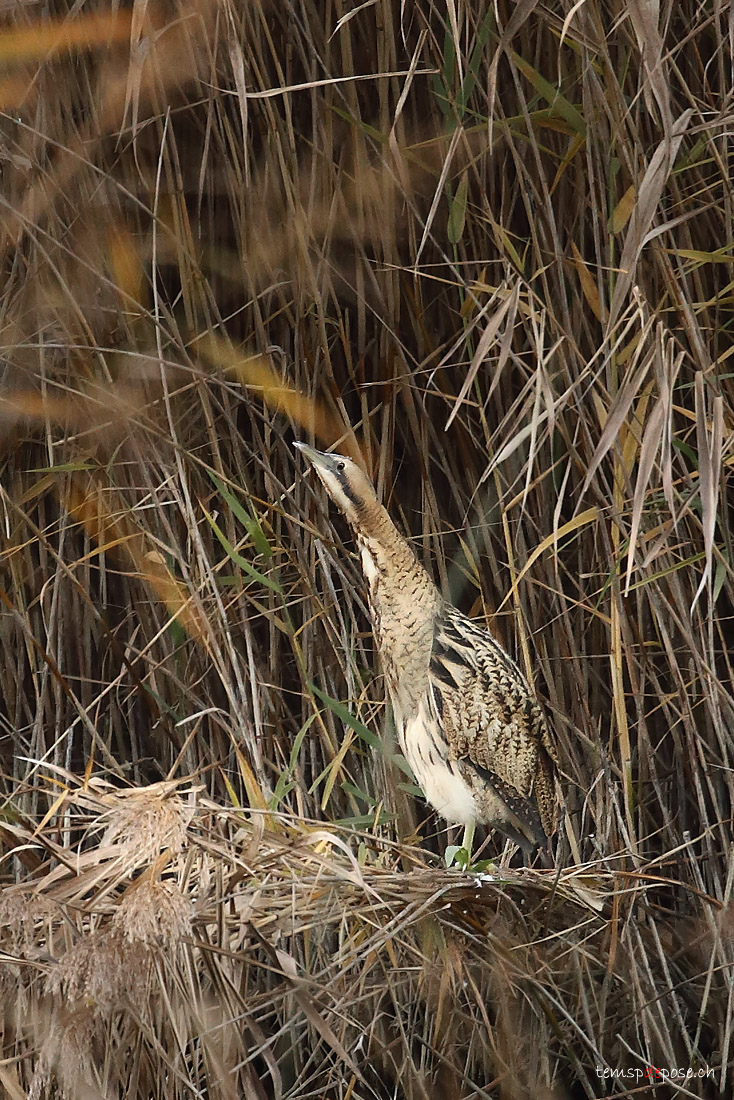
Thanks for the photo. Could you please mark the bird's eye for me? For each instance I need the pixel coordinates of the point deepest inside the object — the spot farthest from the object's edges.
(341, 465)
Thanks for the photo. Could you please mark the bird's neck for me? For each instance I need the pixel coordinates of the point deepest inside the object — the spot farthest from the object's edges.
(386, 552)
(404, 603)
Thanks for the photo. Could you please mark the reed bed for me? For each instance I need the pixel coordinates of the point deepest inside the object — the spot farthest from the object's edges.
(182, 948)
(490, 249)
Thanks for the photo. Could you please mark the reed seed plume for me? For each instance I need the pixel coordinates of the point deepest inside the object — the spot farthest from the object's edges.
(101, 972)
(155, 914)
(142, 823)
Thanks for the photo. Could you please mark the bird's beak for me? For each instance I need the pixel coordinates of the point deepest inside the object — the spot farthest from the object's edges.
(319, 459)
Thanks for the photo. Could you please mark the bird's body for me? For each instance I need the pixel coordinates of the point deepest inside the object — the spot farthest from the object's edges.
(466, 719)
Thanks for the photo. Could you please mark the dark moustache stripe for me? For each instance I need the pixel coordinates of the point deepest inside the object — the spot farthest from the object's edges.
(346, 488)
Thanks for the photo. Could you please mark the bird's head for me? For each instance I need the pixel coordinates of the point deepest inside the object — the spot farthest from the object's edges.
(347, 485)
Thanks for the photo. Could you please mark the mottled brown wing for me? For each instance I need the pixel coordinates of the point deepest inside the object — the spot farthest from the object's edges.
(492, 720)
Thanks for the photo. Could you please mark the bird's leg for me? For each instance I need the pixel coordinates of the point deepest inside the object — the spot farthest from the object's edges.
(467, 841)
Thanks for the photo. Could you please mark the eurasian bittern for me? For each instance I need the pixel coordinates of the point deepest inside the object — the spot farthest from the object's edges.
(466, 720)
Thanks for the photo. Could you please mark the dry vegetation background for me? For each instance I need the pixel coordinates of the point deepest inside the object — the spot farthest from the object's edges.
(492, 248)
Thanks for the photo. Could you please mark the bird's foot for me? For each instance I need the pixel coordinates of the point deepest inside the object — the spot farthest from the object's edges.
(457, 856)
(460, 854)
